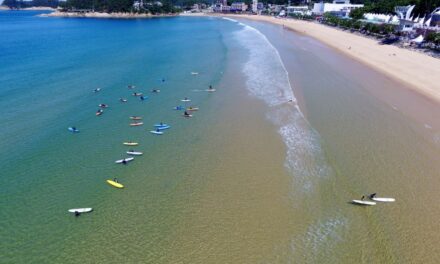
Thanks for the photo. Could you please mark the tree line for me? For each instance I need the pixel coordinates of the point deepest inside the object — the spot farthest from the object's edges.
(35, 3)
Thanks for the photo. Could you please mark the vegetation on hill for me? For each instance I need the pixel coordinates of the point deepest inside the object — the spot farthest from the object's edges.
(110, 6)
(35, 3)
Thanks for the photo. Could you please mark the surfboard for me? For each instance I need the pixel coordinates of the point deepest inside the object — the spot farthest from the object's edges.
(361, 202)
(137, 124)
(74, 130)
(383, 199)
(134, 153)
(130, 143)
(192, 109)
(163, 127)
(160, 125)
(126, 160)
(80, 210)
(156, 132)
(115, 184)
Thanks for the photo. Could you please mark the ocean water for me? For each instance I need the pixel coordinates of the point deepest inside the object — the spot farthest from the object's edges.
(263, 172)
(48, 72)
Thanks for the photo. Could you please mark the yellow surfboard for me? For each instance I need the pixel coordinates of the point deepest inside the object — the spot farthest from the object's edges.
(115, 184)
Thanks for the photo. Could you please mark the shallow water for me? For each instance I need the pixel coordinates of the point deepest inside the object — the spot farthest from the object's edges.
(251, 178)
(375, 137)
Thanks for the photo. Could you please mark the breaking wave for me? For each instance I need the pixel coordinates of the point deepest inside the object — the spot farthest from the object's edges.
(268, 80)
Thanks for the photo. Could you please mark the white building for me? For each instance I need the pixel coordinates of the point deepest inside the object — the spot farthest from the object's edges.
(254, 6)
(297, 10)
(342, 7)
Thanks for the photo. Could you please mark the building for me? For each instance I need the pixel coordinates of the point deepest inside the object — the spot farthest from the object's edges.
(275, 9)
(137, 5)
(238, 7)
(340, 8)
(254, 6)
(297, 10)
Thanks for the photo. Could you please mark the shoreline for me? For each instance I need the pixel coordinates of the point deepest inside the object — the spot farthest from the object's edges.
(418, 71)
(103, 15)
(34, 8)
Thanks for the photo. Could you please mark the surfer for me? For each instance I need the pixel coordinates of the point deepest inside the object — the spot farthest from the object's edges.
(77, 213)
(363, 197)
(372, 195)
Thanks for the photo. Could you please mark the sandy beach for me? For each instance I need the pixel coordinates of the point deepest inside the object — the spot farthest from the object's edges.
(419, 71)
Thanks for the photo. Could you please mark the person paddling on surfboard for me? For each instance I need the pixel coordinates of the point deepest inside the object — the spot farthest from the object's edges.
(124, 161)
(372, 195)
(363, 197)
(186, 113)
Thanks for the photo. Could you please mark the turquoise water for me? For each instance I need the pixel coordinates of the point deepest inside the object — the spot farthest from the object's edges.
(48, 72)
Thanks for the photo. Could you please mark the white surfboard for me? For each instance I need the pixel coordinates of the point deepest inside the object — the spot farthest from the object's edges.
(156, 132)
(134, 153)
(361, 202)
(126, 160)
(80, 210)
(383, 199)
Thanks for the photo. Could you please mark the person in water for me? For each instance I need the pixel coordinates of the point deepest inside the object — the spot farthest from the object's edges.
(363, 197)
(186, 113)
(372, 195)
(115, 179)
(77, 213)
(124, 161)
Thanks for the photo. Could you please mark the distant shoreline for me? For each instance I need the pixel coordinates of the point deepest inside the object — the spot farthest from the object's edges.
(104, 15)
(37, 8)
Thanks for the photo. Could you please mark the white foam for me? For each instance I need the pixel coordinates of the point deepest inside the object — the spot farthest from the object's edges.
(320, 237)
(268, 79)
(230, 19)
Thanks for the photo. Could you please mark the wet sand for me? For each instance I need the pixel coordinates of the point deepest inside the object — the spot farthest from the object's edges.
(378, 136)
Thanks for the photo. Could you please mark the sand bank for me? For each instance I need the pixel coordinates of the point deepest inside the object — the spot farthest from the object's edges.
(101, 15)
(419, 71)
